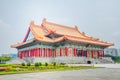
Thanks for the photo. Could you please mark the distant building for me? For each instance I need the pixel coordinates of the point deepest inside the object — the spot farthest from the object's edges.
(112, 51)
(54, 42)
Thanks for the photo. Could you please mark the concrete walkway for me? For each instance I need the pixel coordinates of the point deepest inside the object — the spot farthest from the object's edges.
(99, 65)
(88, 74)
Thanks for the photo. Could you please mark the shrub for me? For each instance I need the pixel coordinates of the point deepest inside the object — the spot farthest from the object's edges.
(40, 64)
(54, 63)
(36, 64)
(46, 64)
(28, 64)
(62, 63)
(23, 64)
(13, 69)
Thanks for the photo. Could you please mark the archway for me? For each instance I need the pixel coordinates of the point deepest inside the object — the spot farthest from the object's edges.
(88, 62)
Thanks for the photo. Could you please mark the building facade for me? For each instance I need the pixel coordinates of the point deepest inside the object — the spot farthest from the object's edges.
(55, 41)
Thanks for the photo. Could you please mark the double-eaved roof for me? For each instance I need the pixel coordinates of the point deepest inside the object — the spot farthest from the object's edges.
(52, 32)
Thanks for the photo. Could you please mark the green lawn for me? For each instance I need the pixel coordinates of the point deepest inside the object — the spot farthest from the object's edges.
(17, 69)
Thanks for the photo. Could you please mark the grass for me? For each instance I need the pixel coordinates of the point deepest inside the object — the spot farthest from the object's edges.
(32, 68)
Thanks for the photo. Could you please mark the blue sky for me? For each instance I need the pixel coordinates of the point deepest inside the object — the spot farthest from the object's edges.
(97, 18)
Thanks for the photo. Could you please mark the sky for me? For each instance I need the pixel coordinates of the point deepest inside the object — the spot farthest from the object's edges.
(97, 18)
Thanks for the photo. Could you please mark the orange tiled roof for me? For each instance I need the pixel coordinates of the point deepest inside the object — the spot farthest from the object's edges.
(40, 33)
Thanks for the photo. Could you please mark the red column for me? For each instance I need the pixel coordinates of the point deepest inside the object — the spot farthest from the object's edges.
(75, 52)
(82, 52)
(60, 51)
(41, 51)
(44, 51)
(98, 54)
(66, 51)
(38, 52)
(50, 52)
(32, 52)
(53, 52)
(35, 52)
(20, 55)
(92, 53)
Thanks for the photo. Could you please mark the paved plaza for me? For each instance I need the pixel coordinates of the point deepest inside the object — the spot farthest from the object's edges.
(85, 74)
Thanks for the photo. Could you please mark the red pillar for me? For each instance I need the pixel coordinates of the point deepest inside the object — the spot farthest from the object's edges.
(35, 52)
(53, 53)
(41, 51)
(92, 53)
(32, 52)
(66, 51)
(60, 51)
(46, 52)
(38, 52)
(50, 52)
(75, 52)
(82, 52)
(98, 54)
(20, 55)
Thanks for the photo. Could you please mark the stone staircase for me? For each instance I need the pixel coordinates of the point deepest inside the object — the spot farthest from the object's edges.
(16, 61)
(69, 60)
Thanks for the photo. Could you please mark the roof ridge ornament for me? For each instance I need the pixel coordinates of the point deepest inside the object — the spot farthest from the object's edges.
(44, 22)
(32, 22)
(76, 27)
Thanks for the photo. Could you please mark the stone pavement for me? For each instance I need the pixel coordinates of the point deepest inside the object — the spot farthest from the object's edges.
(88, 74)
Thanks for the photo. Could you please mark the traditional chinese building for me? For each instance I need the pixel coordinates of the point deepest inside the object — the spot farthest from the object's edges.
(51, 42)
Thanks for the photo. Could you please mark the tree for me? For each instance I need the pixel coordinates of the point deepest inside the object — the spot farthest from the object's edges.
(23, 64)
(36, 64)
(28, 64)
(40, 64)
(54, 63)
(46, 64)
(3, 59)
